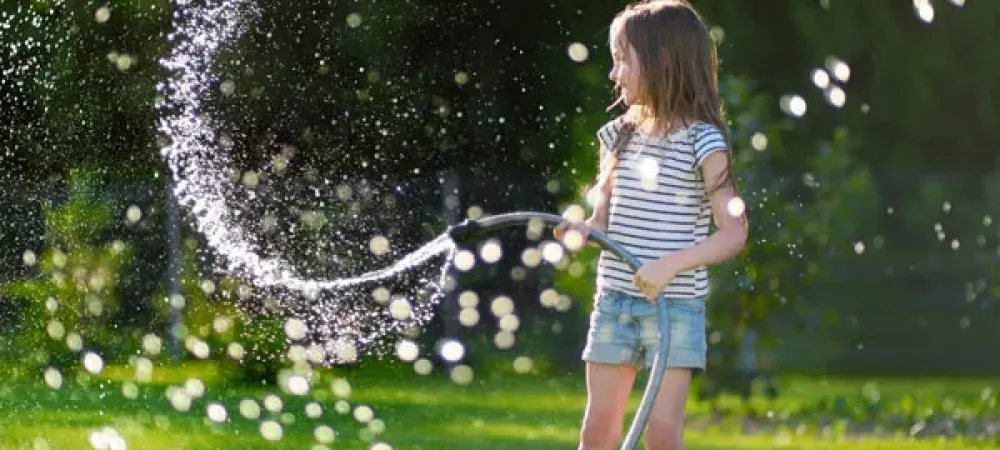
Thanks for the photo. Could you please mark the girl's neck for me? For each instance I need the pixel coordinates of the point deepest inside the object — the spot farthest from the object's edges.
(648, 124)
(655, 128)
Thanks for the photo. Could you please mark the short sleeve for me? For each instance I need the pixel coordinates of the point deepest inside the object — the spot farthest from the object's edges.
(608, 133)
(708, 139)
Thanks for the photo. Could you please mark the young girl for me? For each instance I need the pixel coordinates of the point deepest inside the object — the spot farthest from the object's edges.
(665, 175)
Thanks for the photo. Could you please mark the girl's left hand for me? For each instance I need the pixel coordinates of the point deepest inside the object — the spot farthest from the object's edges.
(652, 277)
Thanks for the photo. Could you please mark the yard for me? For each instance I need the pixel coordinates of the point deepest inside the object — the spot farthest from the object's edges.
(502, 410)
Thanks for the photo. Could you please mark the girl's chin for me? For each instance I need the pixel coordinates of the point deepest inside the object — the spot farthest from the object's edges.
(624, 97)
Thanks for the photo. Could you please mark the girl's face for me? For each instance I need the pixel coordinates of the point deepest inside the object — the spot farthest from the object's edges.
(626, 73)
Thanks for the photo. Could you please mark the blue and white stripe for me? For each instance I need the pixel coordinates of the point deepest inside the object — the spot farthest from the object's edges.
(658, 203)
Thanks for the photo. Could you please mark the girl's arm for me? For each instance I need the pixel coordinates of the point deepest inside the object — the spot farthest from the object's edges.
(728, 212)
(729, 238)
(600, 196)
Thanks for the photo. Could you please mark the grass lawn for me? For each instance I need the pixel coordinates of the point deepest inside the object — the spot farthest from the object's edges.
(499, 411)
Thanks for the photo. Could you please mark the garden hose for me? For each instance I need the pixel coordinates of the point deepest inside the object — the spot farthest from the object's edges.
(472, 230)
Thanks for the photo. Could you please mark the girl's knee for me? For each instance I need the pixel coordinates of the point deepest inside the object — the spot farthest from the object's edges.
(602, 429)
(599, 437)
(665, 434)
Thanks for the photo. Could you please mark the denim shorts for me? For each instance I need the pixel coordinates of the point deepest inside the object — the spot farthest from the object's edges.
(624, 329)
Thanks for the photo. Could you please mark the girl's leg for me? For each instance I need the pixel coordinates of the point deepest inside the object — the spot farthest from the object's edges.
(686, 353)
(665, 430)
(608, 389)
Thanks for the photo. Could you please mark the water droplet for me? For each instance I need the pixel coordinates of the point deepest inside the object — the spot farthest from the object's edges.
(504, 340)
(509, 322)
(324, 434)
(55, 329)
(793, 105)
(491, 251)
(578, 52)
(549, 298)
(736, 207)
(452, 351)
(297, 385)
(107, 438)
(354, 20)
(29, 258)
(363, 413)
(464, 260)
(249, 409)
(461, 375)
(235, 351)
(102, 14)
(840, 70)
(924, 10)
(379, 245)
(93, 363)
(423, 366)
(124, 62)
(222, 324)
(143, 370)
(502, 305)
(820, 78)
(400, 309)
(523, 365)
(531, 257)
(130, 390)
(759, 141)
(273, 403)
(53, 378)
(179, 399)
(133, 214)
(198, 347)
(649, 170)
(74, 342)
(574, 213)
(194, 387)
(376, 426)
(835, 96)
(217, 413)
(313, 410)
(407, 350)
(468, 317)
(228, 87)
(295, 329)
(271, 430)
(341, 388)
(552, 252)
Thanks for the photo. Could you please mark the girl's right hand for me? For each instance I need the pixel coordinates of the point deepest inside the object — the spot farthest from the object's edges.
(574, 235)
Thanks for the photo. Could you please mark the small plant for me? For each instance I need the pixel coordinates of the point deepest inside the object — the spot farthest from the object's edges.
(71, 303)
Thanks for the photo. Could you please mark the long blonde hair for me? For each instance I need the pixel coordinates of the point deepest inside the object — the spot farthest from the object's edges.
(679, 66)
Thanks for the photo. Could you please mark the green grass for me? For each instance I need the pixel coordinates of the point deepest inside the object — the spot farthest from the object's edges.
(497, 411)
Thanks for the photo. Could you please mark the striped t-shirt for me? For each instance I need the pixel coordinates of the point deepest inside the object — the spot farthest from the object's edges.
(658, 203)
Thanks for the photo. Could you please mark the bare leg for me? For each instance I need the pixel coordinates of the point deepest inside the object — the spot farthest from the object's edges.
(665, 430)
(608, 389)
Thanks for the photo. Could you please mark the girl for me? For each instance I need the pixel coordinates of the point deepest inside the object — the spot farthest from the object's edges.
(665, 175)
